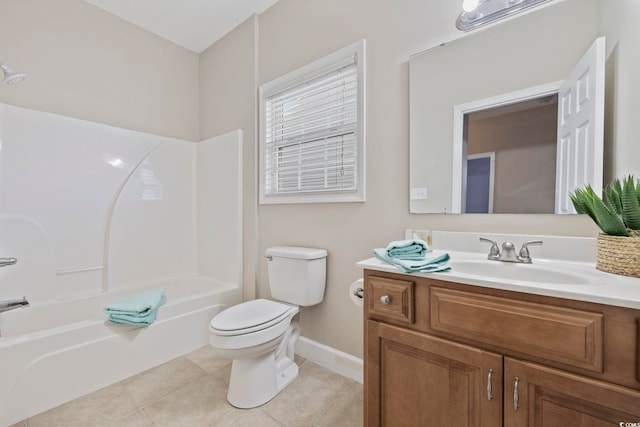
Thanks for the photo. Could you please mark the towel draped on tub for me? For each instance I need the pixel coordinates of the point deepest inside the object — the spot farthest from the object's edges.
(138, 310)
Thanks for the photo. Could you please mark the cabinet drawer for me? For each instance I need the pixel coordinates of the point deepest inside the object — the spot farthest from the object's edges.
(568, 336)
(390, 299)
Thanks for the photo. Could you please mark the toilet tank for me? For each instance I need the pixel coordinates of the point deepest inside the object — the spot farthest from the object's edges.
(297, 275)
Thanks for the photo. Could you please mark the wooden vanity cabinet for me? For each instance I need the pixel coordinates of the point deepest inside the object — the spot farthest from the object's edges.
(548, 397)
(419, 380)
(446, 354)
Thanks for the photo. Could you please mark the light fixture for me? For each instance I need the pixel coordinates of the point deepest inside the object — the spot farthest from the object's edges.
(470, 5)
(10, 76)
(477, 13)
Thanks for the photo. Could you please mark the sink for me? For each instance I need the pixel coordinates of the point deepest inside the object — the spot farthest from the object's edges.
(529, 273)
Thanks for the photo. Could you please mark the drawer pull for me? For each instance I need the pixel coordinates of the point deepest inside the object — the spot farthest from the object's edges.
(489, 386)
(515, 394)
(385, 299)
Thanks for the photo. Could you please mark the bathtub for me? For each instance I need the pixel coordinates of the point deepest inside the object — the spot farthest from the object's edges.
(53, 353)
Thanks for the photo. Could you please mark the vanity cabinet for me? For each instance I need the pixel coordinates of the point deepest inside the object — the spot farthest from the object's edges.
(447, 354)
(418, 380)
(539, 396)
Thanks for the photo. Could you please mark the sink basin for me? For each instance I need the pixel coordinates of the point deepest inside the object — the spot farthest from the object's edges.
(530, 273)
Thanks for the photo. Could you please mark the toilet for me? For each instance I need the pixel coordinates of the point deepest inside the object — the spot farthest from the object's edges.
(260, 335)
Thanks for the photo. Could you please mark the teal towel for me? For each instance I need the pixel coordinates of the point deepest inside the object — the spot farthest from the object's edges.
(425, 265)
(128, 319)
(413, 249)
(139, 309)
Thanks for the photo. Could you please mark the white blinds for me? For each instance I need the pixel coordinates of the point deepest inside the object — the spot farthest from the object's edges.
(310, 139)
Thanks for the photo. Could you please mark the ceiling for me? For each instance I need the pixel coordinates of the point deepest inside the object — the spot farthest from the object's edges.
(193, 24)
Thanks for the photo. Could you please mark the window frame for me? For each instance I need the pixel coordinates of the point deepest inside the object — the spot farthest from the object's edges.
(311, 71)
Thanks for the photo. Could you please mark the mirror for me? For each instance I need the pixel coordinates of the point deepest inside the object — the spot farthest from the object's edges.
(535, 50)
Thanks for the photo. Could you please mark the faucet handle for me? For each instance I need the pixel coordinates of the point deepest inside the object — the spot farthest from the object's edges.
(494, 252)
(524, 250)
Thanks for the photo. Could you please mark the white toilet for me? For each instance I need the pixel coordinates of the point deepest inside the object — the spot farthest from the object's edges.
(260, 335)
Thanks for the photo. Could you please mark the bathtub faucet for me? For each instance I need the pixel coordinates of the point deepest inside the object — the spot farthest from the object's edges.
(12, 304)
(7, 261)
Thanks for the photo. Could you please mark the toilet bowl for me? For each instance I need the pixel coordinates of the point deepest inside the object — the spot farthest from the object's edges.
(260, 335)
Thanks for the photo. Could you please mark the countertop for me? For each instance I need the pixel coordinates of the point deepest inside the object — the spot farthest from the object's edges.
(601, 287)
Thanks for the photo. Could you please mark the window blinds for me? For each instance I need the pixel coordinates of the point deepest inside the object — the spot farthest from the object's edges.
(311, 135)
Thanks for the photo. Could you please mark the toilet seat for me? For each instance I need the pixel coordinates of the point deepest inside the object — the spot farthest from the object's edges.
(249, 317)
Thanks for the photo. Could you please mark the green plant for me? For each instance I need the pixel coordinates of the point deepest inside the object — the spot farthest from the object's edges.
(619, 213)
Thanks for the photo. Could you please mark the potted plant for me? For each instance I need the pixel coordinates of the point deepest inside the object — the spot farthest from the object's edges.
(618, 216)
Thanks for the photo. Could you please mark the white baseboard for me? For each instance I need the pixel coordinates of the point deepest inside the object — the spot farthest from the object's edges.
(330, 358)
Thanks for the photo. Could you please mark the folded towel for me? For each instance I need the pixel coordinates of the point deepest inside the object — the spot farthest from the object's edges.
(425, 264)
(139, 309)
(413, 249)
(141, 303)
(134, 320)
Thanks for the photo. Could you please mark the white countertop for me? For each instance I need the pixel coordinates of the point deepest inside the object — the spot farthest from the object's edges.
(598, 287)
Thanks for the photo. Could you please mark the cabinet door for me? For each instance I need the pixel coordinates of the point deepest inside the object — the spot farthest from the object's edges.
(413, 379)
(548, 397)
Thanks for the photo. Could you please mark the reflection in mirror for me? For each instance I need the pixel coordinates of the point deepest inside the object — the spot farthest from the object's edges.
(513, 146)
(534, 50)
(578, 143)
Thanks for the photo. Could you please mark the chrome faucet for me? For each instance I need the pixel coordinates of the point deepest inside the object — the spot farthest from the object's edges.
(508, 252)
(12, 304)
(7, 261)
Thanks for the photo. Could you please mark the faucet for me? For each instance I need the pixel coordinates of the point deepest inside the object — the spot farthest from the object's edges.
(508, 252)
(7, 261)
(12, 304)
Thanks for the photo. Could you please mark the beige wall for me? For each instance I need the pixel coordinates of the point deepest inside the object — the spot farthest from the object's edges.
(83, 62)
(295, 32)
(227, 102)
(619, 22)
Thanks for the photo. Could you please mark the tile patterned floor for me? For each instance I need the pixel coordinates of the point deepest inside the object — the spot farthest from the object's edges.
(191, 391)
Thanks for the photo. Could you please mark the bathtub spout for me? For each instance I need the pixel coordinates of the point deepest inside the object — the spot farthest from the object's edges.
(12, 304)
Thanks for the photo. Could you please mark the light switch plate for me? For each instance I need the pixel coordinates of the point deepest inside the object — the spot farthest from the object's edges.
(419, 193)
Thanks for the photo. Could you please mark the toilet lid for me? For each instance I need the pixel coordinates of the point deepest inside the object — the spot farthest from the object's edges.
(251, 315)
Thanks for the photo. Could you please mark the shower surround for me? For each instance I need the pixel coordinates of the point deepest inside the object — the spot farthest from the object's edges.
(93, 212)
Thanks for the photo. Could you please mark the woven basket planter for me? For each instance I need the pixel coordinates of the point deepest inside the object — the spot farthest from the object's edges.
(618, 255)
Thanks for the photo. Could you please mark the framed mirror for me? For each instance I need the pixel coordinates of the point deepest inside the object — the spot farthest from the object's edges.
(533, 51)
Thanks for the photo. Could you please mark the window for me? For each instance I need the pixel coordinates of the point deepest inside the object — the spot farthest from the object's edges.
(312, 132)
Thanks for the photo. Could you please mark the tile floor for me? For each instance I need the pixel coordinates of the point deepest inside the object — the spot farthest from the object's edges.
(191, 391)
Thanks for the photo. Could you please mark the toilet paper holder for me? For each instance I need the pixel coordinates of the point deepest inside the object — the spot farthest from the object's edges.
(356, 292)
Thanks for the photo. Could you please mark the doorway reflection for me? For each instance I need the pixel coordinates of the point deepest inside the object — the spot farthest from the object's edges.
(522, 137)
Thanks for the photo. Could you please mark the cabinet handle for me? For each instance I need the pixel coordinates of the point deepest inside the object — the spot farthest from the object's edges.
(515, 394)
(489, 387)
(385, 299)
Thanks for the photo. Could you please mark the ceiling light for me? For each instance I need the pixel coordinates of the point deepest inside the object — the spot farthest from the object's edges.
(470, 5)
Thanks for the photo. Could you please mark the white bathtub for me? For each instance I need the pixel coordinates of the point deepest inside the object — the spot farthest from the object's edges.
(53, 353)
